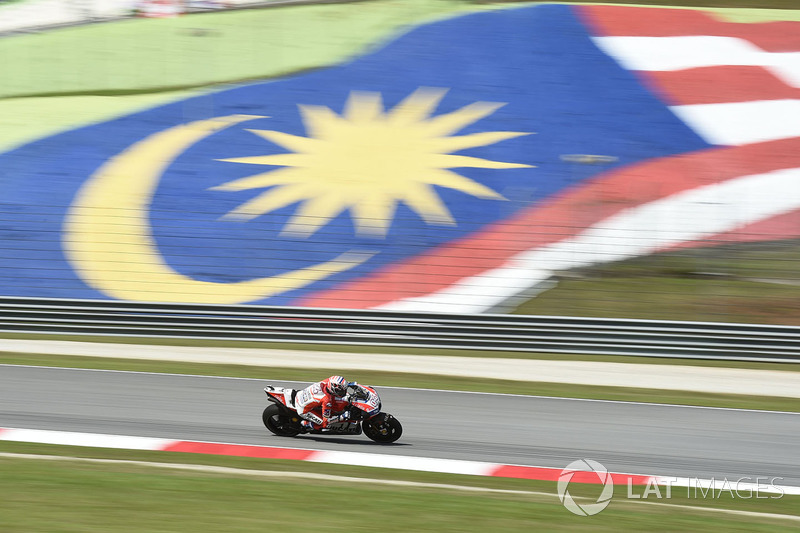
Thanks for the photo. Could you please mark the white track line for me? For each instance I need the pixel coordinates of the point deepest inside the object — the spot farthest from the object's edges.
(504, 394)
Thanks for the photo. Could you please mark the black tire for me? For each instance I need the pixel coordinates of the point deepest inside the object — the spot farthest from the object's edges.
(383, 428)
(279, 422)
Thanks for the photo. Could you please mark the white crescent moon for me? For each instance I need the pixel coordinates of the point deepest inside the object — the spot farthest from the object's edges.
(109, 241)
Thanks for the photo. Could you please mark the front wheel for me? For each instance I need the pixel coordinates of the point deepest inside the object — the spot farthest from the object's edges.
(383, 428)
(278, 422)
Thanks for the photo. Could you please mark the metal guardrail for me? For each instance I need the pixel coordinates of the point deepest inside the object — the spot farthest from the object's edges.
(522, 333)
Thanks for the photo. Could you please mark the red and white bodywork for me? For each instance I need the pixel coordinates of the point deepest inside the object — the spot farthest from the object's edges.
(362, 403)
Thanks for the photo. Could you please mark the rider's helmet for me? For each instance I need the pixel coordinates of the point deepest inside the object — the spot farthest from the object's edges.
(337, 385)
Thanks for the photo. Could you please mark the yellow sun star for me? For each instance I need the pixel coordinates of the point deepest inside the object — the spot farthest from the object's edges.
(367, 160)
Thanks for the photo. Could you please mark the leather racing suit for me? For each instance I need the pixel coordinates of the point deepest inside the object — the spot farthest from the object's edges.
(317, 402)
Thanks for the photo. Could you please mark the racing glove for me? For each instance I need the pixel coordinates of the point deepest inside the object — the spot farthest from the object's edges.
(340, 418)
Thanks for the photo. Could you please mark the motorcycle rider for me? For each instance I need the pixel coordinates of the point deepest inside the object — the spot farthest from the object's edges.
(315, 402)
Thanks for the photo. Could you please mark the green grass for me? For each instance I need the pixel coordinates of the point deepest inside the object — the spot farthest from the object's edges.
(148, 55)
(662, 298)
(423, 381)
(69, 496)
(776, 261)
(747, 283)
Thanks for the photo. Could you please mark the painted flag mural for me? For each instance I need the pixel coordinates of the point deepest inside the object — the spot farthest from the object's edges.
(454, 169)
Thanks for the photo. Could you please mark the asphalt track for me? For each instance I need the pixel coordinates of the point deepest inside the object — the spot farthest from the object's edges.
(624, 437)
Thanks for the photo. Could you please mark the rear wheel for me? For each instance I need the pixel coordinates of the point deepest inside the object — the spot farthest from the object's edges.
(383, 428)
(278, 422)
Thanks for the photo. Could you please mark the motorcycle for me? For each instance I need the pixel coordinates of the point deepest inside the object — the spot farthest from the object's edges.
(363, 405)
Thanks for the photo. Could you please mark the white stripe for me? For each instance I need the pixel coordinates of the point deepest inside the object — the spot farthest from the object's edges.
(686, 216)
(685, 52)
(720, 123)
(94, 440)
(401, 462)
(742, 122)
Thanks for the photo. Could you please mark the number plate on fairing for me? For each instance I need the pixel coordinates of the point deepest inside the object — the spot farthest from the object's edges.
(370, 405)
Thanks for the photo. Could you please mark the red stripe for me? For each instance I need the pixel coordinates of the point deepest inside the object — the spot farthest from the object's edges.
(553, 474)
(783, 36)
(240, 450)
(712, 85)
(561, 217)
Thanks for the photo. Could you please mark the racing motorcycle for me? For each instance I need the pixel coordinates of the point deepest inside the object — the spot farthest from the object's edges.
(363, 404)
